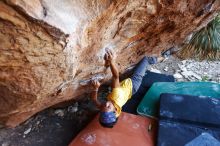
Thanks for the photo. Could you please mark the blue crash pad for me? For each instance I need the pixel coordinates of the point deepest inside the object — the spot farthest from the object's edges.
(188, 120)
(205, 139)
(180, 134)
(149, 105)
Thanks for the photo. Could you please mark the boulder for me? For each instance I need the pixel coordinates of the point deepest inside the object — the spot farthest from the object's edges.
(51, 49)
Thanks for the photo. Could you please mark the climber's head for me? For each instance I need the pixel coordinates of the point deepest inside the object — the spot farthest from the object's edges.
(107, 116)
(108, 107)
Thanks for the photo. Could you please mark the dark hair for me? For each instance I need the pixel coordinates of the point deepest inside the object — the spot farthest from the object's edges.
(108, 125)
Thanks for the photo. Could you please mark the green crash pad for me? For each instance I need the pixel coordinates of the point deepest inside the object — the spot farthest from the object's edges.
(149, 106)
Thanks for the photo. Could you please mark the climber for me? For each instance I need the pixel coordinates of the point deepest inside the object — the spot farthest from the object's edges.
(121, 91)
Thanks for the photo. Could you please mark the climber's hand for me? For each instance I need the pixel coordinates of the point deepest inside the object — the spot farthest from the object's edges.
(107, 63)
(96, 84)
(108, 56)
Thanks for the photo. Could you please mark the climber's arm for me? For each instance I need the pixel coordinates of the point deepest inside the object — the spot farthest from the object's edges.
(115, 75)
(114, 69)
(94, 95)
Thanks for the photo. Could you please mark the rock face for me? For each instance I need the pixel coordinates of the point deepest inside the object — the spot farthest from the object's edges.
(50, 49)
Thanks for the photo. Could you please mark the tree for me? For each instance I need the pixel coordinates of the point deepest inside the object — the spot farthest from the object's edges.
(204, 44)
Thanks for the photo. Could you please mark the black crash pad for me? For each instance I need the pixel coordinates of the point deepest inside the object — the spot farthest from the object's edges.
(147, 81)
(186, 120)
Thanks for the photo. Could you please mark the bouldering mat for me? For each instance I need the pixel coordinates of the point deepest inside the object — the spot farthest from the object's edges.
(130, 130)
(147, 81)
(189, 120)
(193, 109)
(180, 134)
(205, 139)
(149, 106)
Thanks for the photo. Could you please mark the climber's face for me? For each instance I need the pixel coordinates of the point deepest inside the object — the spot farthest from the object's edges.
(108, 107)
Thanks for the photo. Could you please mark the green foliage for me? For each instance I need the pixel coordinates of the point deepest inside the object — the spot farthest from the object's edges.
(204, 44)
(205, 78)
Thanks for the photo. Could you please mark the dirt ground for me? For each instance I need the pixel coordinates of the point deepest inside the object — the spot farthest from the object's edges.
(52, 127)
(57, 127)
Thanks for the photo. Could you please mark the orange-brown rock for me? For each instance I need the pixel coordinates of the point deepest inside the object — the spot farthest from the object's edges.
(50, 49)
